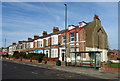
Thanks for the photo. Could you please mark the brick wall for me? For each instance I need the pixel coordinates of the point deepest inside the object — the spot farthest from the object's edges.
(44, 42)
(26, 60)
(35, 61)
(60, 39)
(114, 70)
(49, 41)
(51, 62)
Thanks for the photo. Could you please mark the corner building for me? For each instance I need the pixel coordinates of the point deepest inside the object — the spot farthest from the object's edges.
(83, 37)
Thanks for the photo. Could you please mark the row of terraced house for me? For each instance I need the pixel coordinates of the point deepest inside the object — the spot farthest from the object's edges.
(89, 36)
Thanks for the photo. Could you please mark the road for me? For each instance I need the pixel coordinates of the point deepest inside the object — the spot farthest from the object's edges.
(12, 70)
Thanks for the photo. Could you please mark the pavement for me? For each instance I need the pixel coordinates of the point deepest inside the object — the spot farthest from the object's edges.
(80, 70)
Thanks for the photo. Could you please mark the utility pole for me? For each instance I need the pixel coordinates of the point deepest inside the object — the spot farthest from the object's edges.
(5, 42)
(65, 33)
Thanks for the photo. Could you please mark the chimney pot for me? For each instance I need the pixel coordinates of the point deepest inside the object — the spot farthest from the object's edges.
(19, 42)
(36, 36)
(44, 33)
(14, 43)
(55, 29)
(30, 39)
(96, 17)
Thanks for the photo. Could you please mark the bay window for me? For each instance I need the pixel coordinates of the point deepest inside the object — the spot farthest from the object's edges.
(54, 53)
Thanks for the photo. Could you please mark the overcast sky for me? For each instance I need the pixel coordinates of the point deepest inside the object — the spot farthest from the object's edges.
(21, 20)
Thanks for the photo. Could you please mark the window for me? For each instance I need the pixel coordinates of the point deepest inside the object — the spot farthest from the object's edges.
(64, 39)
(72, 37)
(54, 40)
(54, 53)
(31, 44)
(71, 54)
(23, 46)
(39, 43)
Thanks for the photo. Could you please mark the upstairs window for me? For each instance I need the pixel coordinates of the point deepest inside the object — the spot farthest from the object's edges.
(72, 37)
(64, 39)
(31, 44)
(39, 43)
(55, 40)
(23, 46)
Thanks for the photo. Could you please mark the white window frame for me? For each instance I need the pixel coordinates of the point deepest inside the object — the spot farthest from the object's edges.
(72, 37)
(55, 40)
(40, 42)
(54, 53)
(77, 36)
(31, 44)
(63, 39)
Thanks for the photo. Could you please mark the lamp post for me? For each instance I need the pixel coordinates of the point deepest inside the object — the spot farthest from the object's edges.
(65, 33)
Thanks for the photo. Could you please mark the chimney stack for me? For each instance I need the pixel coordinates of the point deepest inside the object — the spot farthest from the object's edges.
(19, 42)
(23, 41)
(14, 43)
(44, 33)
(55, 29)
(36, 36)
(96, 17)
(30, 39)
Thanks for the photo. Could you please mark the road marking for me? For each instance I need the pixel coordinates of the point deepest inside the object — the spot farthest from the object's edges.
(24, 63)
(34, 65)
(34, 73)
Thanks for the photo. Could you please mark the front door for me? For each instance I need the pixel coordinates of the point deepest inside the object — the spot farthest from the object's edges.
(63, 56)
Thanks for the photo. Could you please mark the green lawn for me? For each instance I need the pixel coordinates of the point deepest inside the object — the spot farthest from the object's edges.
(114, 65)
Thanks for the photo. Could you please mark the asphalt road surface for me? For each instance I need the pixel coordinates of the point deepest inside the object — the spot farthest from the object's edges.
(19, 71)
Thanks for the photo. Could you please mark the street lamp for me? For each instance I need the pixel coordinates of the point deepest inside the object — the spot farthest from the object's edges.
(65, 31)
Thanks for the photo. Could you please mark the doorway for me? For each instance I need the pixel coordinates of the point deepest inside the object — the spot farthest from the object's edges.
(63, 54)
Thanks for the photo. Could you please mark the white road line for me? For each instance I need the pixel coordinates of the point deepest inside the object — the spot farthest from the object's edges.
(34, 73)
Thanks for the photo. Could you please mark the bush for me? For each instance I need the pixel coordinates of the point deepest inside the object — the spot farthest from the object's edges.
(11, 56)
(22, 54)
(35, 57)
(45, 56)
(30, 55)
(38, 57)
(16, 54)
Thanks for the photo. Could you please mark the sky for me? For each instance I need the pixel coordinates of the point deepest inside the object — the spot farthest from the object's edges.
(21, 20)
